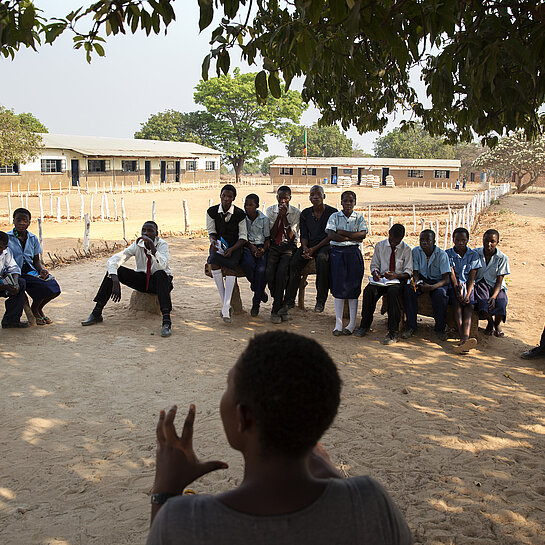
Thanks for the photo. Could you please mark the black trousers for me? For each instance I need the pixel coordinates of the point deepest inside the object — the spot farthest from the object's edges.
(277, 272)
(14, 304)
(160, 283)
(371, 294)
(542, 342)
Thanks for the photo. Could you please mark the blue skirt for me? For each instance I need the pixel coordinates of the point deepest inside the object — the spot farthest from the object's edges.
(483, 292)
(346, 265)
(231, 263)
(39, 289)
(452, 296)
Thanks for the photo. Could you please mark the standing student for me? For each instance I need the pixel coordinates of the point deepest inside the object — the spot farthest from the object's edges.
(431, 274)
(314, 245)
(254, 255)
(490, 286)
(284, 224)
(14, 293)
(392, 261)
(226, 226)
(26, 249)
(464, 263)
(346, 229)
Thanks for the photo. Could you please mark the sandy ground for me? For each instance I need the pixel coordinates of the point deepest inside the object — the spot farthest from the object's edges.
(458, 441)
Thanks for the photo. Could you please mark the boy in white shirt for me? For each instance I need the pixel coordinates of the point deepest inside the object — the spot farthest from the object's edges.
(14, 293)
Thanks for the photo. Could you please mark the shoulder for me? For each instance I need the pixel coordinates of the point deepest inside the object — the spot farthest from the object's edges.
(213, 211)
(239, 213)
(381, 243)
(161, 242)
(406, 247)
(417, 251)
(479, 251)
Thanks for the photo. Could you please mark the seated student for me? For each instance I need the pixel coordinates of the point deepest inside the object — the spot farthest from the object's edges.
(464, 263)
(12, 286)
(152, 275)
(281, 396)
(346, 229)
(284, 224)
(490, 287)
(26, 249)
(226, 226)
(431, 274)
(537, 351)
(314, 245)
(392, 260)
(254, 256)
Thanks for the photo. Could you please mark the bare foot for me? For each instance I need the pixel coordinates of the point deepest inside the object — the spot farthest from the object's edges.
(465, 346)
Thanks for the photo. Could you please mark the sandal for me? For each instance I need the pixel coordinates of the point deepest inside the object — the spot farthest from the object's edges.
(40, 320)
(47, 320)
(499, 333)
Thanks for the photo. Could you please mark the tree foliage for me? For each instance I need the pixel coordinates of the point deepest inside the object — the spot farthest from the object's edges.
(18, 143)
(266, 164)
(326, 141)
(466, 153)
(31, 122)
(515, 158)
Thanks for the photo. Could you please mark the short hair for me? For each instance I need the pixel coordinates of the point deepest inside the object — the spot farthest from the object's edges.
(22, 211)
(229, 187)
(4, 237)
(348, 192)
(253, 197)
(292, 387)
(154, 224)
(316, 186)
(284, 189)
(428, 233)
(492, 232)
(460, 230)
(397, 230)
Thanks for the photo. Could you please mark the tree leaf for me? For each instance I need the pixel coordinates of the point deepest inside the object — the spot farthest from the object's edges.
(274, 85)
(261, 85)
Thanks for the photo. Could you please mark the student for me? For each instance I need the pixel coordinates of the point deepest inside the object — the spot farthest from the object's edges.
(281, 396)
(431, 274)
(226, 226)
(392, 261)
(537, 351)
(346, 229)
(284, 224)
(314, 245)
(152, 275)
(254, 256)
(13, 293)
(464, 263)
(490, 286)
(26, 249)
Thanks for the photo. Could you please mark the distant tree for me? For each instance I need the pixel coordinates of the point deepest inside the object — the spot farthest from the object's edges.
(251, 167)
(178, 127)
(467, 153)
(358, 152)
(18, 144)
(517, 158)
(321, 142)
(266, 164)
(32, 123)
(224, 169)
(412, 142)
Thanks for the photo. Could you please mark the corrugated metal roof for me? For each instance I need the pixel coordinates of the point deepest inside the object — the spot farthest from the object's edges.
(103, 146)
(366, 162)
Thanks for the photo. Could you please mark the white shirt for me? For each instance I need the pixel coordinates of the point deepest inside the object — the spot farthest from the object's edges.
(381, 257)
(211, 224)
(159, 261)
(8, 264)
(292, 216)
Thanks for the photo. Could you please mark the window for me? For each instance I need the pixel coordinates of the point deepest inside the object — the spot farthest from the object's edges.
(9, 169)
(129, 166)
(191, 165)
(472, 177)
(171, 166)
(347, 171)
(286, 171)
(210, 165)
(50, 166)
(442, 174)
(311, 171)
(415, 173)
(98, 165)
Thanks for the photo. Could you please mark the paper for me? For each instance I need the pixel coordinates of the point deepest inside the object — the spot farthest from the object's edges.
(7, 280)
(383, 281)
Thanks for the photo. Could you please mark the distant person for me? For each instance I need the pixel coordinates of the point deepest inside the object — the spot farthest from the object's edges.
(391, 267)
(346, 229)
(464, 182)
(431, 274)
(537, 351)
(254, 255)
(457, 184)
(490, 286)
(152, 275)
(314, 245)
(282, 395)
(226, 226)
(12, 286)
(26, 249)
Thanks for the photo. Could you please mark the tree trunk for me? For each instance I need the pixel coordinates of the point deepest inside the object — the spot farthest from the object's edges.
(238, 163)
(521, 187)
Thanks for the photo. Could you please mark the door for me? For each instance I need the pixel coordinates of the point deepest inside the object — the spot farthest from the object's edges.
(75, 171)
(147, 171)
(163, 171)
(385, 172)
(360, 171)
(333, 175)
(177, 171)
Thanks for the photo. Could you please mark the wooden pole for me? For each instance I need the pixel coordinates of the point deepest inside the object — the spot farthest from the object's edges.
(10, 208)
(67, 208)
(51, 205)
(26, 201)
(187, 224)
(390, 222)
(40, 232)
(102, 207)
(59, 219)
(86, 232)
(106, 206)
(91, 207)
(414, 219)
(81, 208)
(446, 233)
(41, 206)
(123, 215)
(369, 224)
(422, 224)
(153, 211)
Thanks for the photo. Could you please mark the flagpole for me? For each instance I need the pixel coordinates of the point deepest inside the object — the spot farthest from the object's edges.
(306, 157)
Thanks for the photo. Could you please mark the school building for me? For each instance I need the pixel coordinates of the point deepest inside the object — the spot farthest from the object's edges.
(86, 160)
(330, 170)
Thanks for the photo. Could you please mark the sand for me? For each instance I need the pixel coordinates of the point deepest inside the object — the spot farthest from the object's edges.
(457, 440)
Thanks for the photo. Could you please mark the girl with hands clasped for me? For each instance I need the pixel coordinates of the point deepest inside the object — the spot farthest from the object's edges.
(281, 396)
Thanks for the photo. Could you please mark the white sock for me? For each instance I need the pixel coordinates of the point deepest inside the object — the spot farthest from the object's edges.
(229, 286)
(339, 308)
(217, 275)
(353, 308)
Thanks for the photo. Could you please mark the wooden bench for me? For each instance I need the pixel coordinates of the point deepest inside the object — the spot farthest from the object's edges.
(29, 316)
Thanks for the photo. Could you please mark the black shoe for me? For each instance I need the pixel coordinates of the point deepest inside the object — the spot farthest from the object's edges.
(264, 298)
(254, 310)
(391, 338)
(19, 325)
(361, 331)
(536, 352)
(166, 330)
(284, 309)
(319, 307)
(408, 333)
(93, 319)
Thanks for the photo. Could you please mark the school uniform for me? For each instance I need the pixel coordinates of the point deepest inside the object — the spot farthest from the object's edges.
(385, 258)
(345, 259)
(23, 253)
(314, 231)
(462, 266)
(280, 254)
(431, 271)
(14, 303)
(254, 268)
(486, 280)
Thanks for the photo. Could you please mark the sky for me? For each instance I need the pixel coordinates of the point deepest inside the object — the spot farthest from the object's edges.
(113, 95)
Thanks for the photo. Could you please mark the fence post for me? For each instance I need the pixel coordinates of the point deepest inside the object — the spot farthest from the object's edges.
(41, 207)
(123, 216)
(59, 209)
(67, 208)
(10, 208)
(86, 232)
(81, 208)
(422, 224)
(414, 219)
(187, 225)
(153, 211)
(369, 215)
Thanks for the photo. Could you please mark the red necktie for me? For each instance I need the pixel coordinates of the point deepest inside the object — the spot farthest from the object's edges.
(393, 260)
(279, 233)
(148, 271)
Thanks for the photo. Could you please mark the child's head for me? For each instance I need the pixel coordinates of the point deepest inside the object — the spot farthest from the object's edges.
(460, 237)
(3, 241)
(283, 195)
(150, 229)
(396, 234)
(251, 204)
(427, 241)
(21, 219)
(490, 241)
(348, 201)
(316, 195)
(289, 386)
(227, 195)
